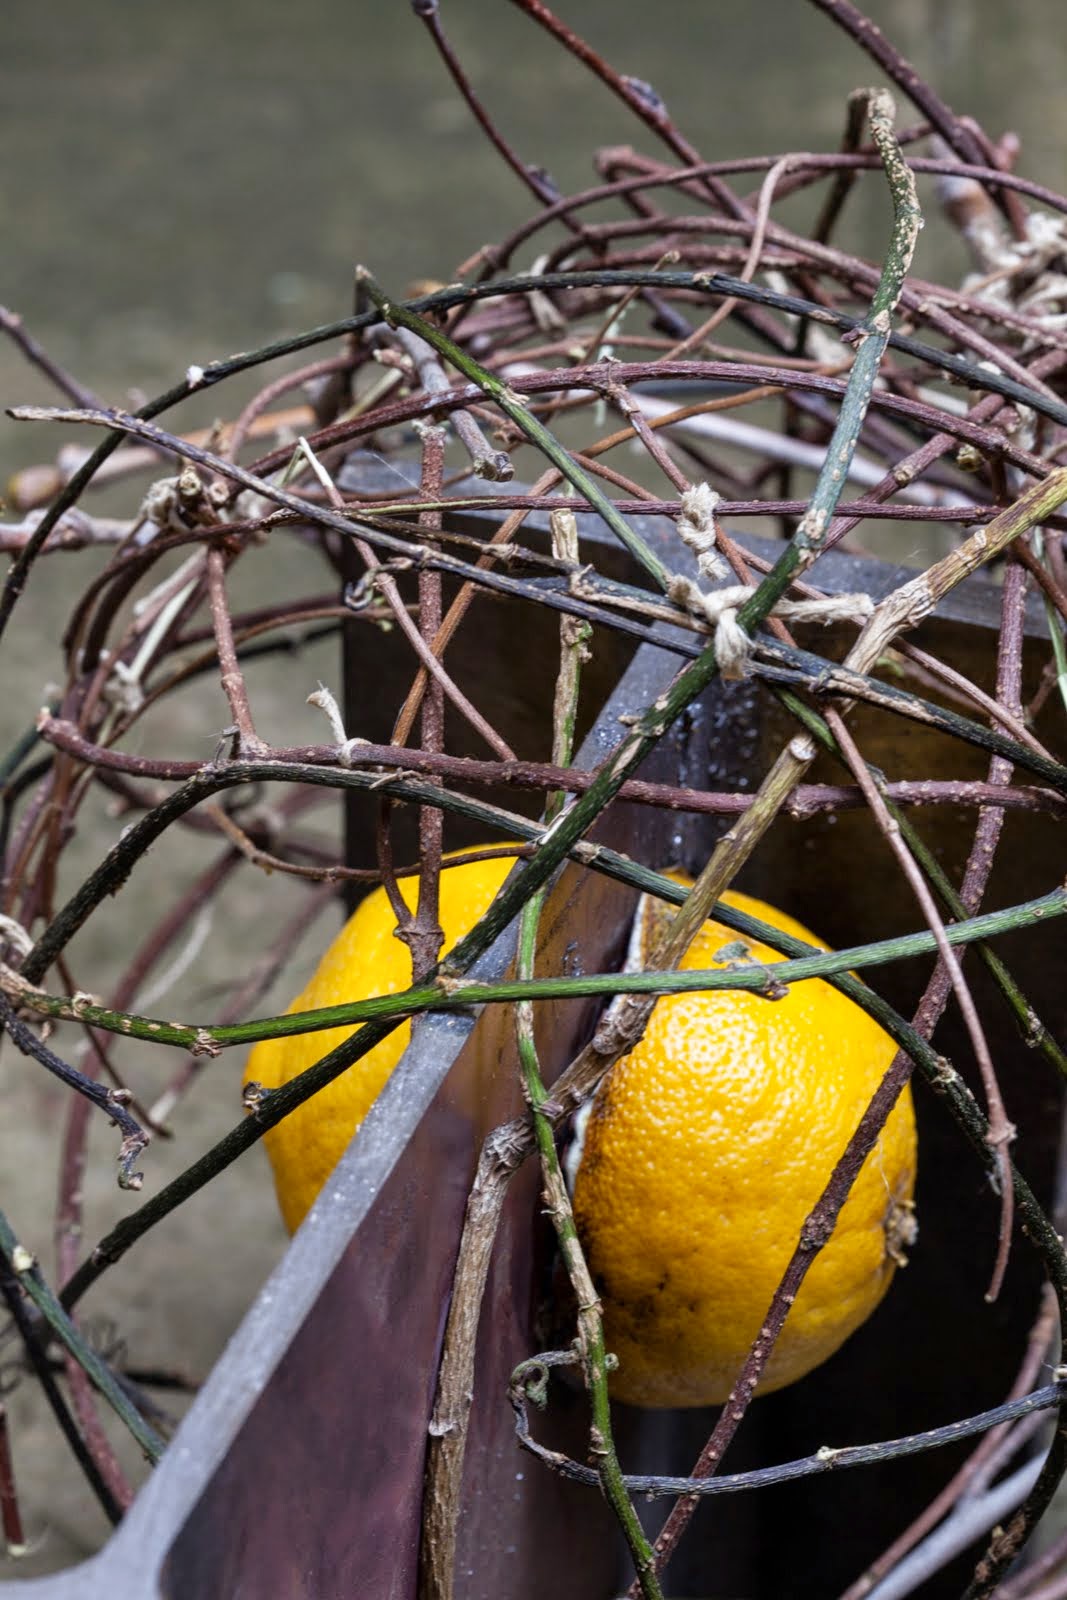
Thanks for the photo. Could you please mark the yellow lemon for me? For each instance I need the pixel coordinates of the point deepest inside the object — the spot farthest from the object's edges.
(705, 1150)
(365, 959)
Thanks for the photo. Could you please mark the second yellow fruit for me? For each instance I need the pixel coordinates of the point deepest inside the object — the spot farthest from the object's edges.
(704, 1152)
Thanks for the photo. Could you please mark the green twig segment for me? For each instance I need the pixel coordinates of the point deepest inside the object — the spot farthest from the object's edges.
(872, 337)
(590, 1339)
(457, 993)
(24, 1269)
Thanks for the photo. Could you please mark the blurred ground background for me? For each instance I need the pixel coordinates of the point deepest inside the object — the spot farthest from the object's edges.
(180, 183)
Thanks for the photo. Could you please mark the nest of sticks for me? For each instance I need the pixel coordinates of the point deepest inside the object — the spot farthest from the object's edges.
(656, 345)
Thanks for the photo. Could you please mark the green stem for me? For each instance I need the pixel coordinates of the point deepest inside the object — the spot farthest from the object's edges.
(24, 1269)
(813, 527)
(590, 1322)
(458, 994)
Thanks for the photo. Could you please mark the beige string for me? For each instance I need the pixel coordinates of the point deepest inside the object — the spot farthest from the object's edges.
(699, 531)
(732, 644)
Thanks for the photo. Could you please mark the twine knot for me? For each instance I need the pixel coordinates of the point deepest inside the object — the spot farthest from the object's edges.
(719, 610)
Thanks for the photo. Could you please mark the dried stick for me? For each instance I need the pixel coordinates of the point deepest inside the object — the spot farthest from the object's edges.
(822, 676)
(382, 580)
(1026, 1410)
(12, 324)
(76, 531)
(1011, 721)
(914, 600)
(232, 677)
(755, 250)
(447, 1431)
(423, 933)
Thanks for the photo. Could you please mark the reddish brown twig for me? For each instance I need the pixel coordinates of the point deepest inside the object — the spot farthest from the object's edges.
(10, 1515)
(423, 934)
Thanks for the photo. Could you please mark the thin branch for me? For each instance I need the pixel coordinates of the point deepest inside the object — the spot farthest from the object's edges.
(15, 1300)
(423, 934)
(542, 776)
(649, 984)
(232, 677)
(826, 1459)
(486, 462)
(23, 1266)
(110, 1101)
(10, 1514)
(1001, 1131)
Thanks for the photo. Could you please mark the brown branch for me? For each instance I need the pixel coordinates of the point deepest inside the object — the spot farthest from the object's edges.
(541, 776)
(1001, 1131)
(423, 933)
(639, 97)
(232, 678)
